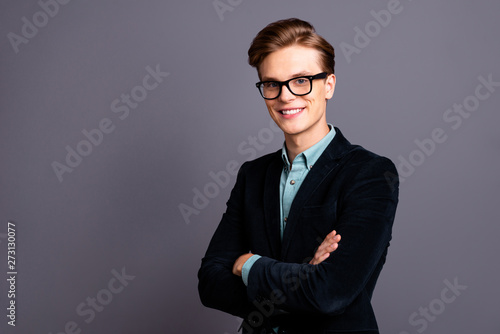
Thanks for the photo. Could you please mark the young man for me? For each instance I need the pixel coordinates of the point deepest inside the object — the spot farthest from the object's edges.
(275, 258)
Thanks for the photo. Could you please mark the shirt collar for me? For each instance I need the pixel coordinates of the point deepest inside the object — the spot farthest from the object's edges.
(312, 154)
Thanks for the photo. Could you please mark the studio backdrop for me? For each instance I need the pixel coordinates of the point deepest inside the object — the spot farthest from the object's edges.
(123, 125)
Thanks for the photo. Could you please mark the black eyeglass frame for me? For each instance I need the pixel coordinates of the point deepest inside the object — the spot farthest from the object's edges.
(321, 75)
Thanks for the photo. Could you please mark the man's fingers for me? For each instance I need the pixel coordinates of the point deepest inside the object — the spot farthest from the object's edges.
(323, 253)
(318, 259)
(332, 240)
(329, 245)
(331, 237)
(329, 241)
(330, 248)
(323, 257)
(331, 234)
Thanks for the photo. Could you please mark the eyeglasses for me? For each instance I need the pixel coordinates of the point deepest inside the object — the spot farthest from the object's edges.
(298, 86)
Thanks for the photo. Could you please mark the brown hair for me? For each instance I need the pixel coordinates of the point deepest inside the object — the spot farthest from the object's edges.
(288, 32)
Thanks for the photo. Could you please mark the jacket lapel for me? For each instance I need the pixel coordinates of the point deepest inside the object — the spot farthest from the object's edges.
(272, 204)
(326, 163)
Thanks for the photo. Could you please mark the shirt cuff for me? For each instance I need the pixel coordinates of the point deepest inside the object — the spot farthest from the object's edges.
(245, 270)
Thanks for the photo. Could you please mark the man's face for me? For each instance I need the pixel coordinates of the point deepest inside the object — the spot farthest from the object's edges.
(297, 115)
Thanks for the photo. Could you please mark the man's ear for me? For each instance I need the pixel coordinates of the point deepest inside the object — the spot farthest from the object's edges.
(330, 85)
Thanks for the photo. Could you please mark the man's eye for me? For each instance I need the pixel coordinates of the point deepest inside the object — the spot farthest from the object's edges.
(300, 81)
(270, 85)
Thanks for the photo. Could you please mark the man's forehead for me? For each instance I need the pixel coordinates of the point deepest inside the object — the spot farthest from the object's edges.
(285, 73)
(293, 75)
(290, 62)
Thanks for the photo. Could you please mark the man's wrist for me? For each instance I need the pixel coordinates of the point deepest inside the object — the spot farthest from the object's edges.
(245, 270)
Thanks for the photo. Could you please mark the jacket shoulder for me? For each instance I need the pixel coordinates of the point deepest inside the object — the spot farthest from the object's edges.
(262, 162)
(363, 157)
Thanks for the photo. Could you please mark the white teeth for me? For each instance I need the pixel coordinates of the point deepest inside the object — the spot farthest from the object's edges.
(291, 112)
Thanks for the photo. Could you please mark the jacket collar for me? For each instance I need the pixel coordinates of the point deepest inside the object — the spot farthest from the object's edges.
(326, 163)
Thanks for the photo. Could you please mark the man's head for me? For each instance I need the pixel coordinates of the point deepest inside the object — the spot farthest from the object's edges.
(287, 49)
(290, 32)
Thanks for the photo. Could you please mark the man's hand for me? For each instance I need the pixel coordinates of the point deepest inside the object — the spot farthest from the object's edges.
(238, 264)
(328, 245)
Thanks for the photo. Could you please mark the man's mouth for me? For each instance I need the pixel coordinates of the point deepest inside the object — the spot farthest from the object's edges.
(291, 111)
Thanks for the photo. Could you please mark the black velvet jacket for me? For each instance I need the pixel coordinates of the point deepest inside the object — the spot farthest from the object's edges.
(350, 190)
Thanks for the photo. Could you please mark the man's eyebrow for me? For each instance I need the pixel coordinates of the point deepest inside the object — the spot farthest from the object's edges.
(299, 74)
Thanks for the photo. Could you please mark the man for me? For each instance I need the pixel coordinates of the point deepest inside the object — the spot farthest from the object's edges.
(275, 258)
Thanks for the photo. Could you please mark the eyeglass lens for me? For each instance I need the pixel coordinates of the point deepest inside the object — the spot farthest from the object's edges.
(298, 86)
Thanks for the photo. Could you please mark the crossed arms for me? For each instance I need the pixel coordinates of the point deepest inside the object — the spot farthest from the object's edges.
(326, 284)
(328, 246)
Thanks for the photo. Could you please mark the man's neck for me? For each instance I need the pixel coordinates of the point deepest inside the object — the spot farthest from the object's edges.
(296, 144)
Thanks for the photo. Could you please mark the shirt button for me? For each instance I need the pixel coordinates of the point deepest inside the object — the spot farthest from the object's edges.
(292, 182)
(285, 218)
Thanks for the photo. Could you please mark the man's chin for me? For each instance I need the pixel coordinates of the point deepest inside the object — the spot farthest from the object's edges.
(292, 131)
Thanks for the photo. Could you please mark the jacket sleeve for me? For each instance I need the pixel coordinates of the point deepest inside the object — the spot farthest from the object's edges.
(218, 287)
(366, 210)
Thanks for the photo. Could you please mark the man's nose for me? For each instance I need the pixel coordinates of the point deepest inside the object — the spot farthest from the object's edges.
(286, 94)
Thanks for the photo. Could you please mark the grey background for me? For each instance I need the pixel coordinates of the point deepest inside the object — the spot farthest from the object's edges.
(120, 207)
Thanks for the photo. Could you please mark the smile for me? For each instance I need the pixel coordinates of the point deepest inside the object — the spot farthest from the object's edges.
(291, 111)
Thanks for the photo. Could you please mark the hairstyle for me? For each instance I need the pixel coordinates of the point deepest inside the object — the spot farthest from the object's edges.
(289, 32)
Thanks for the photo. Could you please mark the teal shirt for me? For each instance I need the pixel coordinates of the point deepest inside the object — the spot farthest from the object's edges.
(292, 177)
